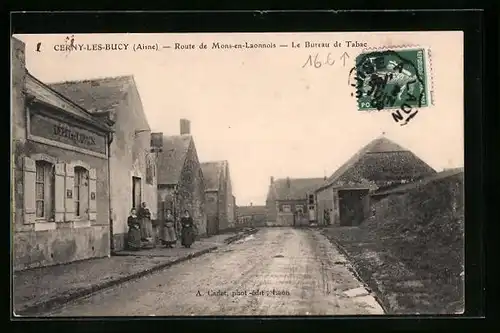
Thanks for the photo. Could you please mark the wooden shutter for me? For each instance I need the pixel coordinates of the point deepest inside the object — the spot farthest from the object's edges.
(92, 194)
(29, 179)
(85, 195)
(59, 192)
(69, 182)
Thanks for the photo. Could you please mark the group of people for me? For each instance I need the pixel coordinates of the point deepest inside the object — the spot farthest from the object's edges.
(141, 229)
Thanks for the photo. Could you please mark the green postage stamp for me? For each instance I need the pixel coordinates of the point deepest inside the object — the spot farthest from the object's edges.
(391, 79)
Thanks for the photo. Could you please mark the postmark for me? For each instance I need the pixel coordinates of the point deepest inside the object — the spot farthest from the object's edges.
(392, 79)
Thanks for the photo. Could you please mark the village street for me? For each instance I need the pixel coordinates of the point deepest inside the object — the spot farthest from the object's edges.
(277, 271)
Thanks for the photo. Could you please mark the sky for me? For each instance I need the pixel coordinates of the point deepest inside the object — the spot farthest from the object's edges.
(268, 112)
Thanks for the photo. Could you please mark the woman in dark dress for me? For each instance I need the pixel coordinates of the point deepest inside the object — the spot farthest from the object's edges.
(327, 217)
(134, 231)
(169, 238)
(187, 233)
(146, 226)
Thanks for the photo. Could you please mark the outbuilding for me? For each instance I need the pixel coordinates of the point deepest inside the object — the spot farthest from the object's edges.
(343, 199)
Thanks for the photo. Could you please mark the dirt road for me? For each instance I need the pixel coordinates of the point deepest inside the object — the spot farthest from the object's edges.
(277, 271)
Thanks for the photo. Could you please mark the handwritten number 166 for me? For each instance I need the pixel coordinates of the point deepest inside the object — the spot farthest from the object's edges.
(317, 63)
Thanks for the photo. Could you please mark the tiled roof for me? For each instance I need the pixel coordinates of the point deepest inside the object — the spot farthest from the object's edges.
(380, 160)
(212, 172)
(171, 159)
(100, 94)
(250, 210)
(293, 188)
(46, 94)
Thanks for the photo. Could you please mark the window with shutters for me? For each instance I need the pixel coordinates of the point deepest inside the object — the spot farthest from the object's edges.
(81, 192)
(44, 190)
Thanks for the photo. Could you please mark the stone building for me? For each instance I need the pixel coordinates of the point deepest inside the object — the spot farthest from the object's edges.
(60, 174)
(291, 201)
(132, 162)
(381, 164)
(219, 198)
(251, 216)
(180, 178)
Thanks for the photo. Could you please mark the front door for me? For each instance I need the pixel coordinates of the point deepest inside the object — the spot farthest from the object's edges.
(136, 192)
(213, 222)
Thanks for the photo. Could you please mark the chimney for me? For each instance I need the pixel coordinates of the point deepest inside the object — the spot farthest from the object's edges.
(272, 179)
(288, 182)
(185, 126)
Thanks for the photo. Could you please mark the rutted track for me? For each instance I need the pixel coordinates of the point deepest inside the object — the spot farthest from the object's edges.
(276, 271)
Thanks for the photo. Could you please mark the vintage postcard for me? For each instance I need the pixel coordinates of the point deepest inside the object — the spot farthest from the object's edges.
(238, 174)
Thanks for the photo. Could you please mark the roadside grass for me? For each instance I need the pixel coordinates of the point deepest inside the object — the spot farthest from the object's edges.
(411, 251)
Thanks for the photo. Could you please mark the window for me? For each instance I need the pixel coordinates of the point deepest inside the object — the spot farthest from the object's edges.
(80, 191)
(299, 209)
(311, 199)
(44, 190)
(286, 209)
(150, 169)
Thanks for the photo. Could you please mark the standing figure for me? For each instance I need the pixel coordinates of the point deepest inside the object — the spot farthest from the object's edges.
(169, 237)
(327, 217)
(187, 233)
(146, 226)
(134, 231)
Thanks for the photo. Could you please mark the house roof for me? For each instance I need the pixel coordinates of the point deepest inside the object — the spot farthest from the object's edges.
(426, 180)
(293, 188)
(47, 95)
(171, 159)
(250, 210)
(379, 161)
(99, 94)
(212, 173)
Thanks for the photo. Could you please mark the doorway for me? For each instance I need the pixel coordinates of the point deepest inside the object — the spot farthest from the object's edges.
(212, 225)
(136, 192)
(351, 206)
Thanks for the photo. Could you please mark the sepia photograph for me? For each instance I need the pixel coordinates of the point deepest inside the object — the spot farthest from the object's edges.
(237, 174)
